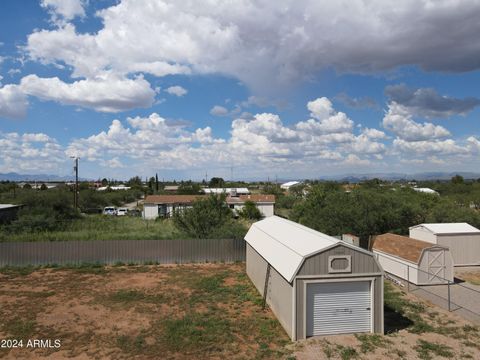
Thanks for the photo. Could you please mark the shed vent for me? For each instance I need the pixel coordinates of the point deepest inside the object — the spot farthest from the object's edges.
(339, 264)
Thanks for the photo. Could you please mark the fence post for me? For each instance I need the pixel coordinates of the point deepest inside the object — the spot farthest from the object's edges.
(449, 308)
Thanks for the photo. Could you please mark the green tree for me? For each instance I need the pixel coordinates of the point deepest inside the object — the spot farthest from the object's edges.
(216, 182)
(457, 179)
(135, 181)
(43, 187)
(188, 188)
(104, 182)
(27, 186)
(204, 218)
(151, 183)
(272, 189)
(250, 211)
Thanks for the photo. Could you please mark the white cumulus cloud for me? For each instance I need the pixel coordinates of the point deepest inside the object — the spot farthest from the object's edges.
(13, 102)
(399, 120)
(107, 93)
(176, 90)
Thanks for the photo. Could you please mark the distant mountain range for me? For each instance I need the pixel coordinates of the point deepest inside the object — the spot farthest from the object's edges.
(35, 177)
(352, 178)
(399, 176)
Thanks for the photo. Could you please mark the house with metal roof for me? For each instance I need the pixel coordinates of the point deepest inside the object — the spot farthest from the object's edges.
(288, 185)
(264, 203)
(416, 261)
(165, 205)
(314, 283)
(462, 239)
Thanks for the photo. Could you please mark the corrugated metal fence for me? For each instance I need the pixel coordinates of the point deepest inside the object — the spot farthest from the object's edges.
(127, 251)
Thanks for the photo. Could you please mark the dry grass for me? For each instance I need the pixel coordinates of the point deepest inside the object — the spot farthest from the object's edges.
(124, 312)
(472, 277)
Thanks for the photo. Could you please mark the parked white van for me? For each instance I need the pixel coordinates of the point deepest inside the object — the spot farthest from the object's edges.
(122, 211)
(109, 210)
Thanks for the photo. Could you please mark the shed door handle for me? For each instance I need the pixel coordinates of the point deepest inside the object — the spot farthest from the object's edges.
(368, 308)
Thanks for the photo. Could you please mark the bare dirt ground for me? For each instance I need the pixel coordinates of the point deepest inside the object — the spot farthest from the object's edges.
(198, 312)
(139, 312)
(414, 328)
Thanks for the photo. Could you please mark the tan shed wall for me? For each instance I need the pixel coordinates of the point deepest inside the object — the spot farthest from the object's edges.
(279, 292)
(420, 233)
(465, 249)
(318, 264)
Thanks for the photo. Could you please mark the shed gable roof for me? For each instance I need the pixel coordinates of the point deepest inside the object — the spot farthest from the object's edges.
(285, 244)
(449, 228)
(402, 246)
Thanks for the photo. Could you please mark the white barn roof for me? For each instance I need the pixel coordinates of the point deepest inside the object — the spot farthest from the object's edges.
(449, 228)
(289, 184)
(285, 244)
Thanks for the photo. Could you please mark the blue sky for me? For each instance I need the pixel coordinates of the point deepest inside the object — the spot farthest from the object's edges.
(289, 89)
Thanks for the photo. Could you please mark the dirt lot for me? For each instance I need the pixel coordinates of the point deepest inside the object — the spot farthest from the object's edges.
(144, 312)
(197, 312)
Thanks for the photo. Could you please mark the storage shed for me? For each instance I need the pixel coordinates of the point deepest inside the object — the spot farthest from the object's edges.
(314, 283)
(463, 240)
(419, 262)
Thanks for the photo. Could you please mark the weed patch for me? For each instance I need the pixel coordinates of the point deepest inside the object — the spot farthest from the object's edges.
(195, 333)
(426, 349)
(371, 342)
(19, 329)
(347, 352)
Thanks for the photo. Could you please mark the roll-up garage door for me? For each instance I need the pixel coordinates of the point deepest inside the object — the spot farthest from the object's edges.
(338, 308)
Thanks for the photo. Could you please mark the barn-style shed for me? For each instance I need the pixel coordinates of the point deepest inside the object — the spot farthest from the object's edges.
(314, 283)
(416, 261)
(462, 239)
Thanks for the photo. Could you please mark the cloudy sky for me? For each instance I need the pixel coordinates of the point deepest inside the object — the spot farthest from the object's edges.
(294, 89)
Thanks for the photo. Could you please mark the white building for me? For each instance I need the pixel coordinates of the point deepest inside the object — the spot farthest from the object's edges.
(118, 187)
(289, 184)
(419, 262)
(463, 240)
(426, 190)
(265, 203)
(164, 205)
(228, 191)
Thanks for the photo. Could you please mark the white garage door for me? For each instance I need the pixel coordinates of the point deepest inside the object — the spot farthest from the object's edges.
(338, 308)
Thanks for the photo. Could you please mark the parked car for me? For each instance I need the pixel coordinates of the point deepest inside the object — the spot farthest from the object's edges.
(122, 211)
(109, 210)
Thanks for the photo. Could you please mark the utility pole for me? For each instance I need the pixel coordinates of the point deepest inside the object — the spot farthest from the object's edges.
(75, 188)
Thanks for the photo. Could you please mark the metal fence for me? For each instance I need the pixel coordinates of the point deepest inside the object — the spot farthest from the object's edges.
(456, 296)
(126, 251)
